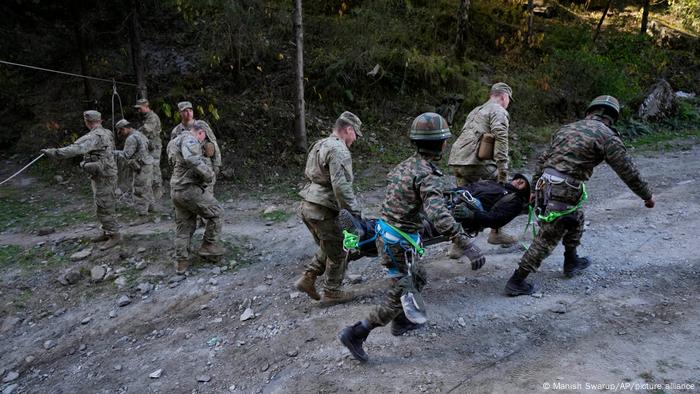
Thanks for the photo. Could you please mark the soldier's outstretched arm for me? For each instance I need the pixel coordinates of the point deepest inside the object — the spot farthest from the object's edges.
(130, 147)
(340, 169)
(619, 160)
(435, 208)
(81, 146)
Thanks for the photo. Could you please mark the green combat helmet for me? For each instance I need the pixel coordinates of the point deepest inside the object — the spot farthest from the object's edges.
(429, 127)
(607, 103)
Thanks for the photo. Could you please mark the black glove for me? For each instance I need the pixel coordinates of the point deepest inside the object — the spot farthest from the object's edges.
(462, 212)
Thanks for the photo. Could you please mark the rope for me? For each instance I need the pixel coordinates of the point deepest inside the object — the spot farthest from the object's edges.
(66, 73)
(23, 168)
(121, 109)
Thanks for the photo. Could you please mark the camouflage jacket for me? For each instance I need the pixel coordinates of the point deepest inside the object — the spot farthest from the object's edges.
(579, 147)
(414, 188)
(95, 146)
(180, 128)
(489, 117)
(329, 174)
(190, 165)
(151, 129)
(135, 150)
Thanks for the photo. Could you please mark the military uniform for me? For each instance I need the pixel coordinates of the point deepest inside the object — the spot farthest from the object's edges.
(151, 128)
(213, 162)
(575, 150)
(466, 166)
(97, 148)
(137, 157)
(329, 189)
(414, 187)
(191, 194)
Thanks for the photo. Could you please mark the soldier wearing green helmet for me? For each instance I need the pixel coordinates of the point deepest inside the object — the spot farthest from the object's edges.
(414, 189)
(576, 149)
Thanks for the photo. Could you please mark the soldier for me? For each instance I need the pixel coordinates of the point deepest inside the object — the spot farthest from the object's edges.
(414, 186)
(151, 129)
(329, 189)
(576, 149)
(187, 116)
(192, 196)
(137, 156)
(491, 117)
(98, 162)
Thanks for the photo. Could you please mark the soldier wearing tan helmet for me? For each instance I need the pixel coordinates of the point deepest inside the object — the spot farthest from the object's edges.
(138, 158)
(97, 148)
(151, 128)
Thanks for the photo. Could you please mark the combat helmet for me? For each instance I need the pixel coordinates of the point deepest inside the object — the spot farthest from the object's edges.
(608, 103)
(429, 126)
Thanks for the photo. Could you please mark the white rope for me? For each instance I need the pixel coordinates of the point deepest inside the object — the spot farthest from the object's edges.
(65, 73)
(23, 168)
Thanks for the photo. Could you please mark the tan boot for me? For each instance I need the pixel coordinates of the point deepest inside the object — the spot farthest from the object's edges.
(500, 238)
(333, 297)
(181, 266)
(307, 284)
(100, 238)
(210, 249)
(459, 246)
(112, 241)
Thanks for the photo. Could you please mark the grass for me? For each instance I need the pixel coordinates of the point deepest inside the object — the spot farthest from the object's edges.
(29, 209)
(277, 215)
(37, 257)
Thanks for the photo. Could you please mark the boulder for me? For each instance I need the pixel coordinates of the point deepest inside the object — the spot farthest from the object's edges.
(659, 102)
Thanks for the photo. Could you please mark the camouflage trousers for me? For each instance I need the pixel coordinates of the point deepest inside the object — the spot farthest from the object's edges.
(568, 229)
(157, 176)
(329, 259)
(189, 203)
(103, 188)
(143, 192)
(383, 314)
(465, 175)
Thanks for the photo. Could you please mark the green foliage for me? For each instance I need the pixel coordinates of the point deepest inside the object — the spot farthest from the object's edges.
(688, 11)
(277, 215)
(37, 257)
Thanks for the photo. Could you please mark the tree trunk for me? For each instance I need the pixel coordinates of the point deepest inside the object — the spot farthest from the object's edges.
(299, 118)
(530, 17)
(602, 18)
(90, 97)
(645, 17)
(463, 17)
(135, 44)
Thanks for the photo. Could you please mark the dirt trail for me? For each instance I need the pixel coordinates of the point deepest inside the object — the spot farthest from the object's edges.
(630, 319)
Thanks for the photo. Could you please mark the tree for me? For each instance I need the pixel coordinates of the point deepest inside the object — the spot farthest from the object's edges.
(530, 17)
(463, 17)
(135, 45)
(645, 17)
(299, 118)
(602, 18)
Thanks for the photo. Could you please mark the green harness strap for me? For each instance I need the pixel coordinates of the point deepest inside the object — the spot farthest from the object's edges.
(554, 215)
(350, 240)
(410, 240)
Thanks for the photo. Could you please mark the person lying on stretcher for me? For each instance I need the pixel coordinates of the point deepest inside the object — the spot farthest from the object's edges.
(483, 204)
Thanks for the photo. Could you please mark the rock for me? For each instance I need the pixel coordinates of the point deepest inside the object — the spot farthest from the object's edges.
(118, 367)
(216, 270)
(45, 231)
(124, 300)
(9, 323)
(294, 294)
(12, 375)
(270, 209)
(215, 341)
(48, 344)
(203, 378)
(29, 359)
(120, 282)
(293, 353)
(228, 174)
(144, 288)
(58, 179)
(176, 279)
(658, 103)
(77, 256)
(213, 282)
(559, 308)
(355, 279)
(461, 322)
(82, 347)
(247, 314)
(113, 314)
(155, 374)
(70, 277)
(10, 389)
(139, 265)
(98, 272)
(537, 295)
(140, 250)
(86, 320)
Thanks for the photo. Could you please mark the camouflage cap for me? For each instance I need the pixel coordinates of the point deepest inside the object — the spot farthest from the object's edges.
(353, 120)
(502, 87)
(92, 116)
(122, 123)
(183, 105)
(141, 103)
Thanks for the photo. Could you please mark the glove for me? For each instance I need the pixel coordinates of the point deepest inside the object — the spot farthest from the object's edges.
(650, 202)
(50, 152)
(461, 212)
(475, 255)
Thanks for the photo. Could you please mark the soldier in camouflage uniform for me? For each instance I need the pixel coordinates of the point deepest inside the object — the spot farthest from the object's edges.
(328, 190)
(414, 189)
(490, 117)
(576, 149)
(136, 155)
(189, 186)
(98, 162)
(151, 128)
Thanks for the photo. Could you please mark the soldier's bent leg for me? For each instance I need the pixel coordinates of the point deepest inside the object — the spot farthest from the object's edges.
(210, 209)
(157, 184)
(105, 200)
(331, 242)
(542, 246)
(381, 315)
(185, 225)
(143, 193)
(574, 224)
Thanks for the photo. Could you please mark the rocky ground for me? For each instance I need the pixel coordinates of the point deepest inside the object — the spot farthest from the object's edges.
(75, 319)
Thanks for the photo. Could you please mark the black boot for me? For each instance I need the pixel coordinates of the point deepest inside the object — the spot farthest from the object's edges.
(401, 325)
(517, 286)
(573, 264)
(352, 338)
(347, 221)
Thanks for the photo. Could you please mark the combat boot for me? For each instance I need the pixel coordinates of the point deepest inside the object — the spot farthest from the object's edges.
(573, 264)
(333, 297)
(401, 325)
(100, 238)
(459, 247)
(307, 284)
(210, 249)
(517, 286)
(348, 221)
(181, 266)
(500, 238)
(352, 338)
(112, 241)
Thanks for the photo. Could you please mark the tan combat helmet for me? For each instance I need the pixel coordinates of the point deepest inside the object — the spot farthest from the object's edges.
(608, 103)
